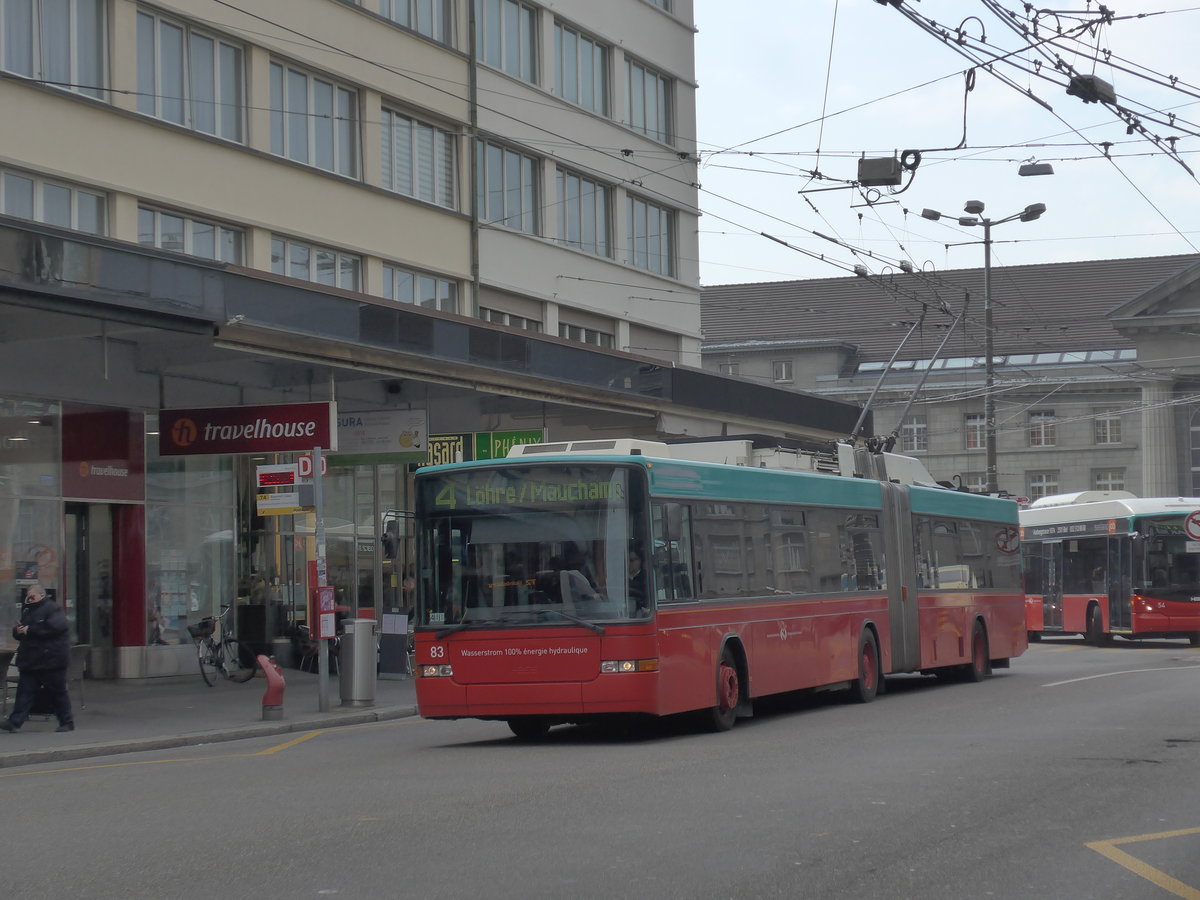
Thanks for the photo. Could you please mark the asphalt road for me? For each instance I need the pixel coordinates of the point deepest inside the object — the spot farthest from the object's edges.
(1075, 774)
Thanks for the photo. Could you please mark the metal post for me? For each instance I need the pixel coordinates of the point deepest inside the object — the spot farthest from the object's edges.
(322, 580)
(989, 398)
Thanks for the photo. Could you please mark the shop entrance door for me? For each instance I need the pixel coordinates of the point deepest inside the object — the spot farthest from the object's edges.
(88, 573)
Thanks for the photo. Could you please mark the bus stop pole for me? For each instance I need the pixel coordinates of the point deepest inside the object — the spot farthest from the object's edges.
(322, 580)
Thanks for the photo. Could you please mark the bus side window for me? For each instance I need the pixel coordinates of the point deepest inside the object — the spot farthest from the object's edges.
(673, 557)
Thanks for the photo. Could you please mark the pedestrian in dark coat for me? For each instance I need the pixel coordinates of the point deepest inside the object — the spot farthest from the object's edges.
(43, 654)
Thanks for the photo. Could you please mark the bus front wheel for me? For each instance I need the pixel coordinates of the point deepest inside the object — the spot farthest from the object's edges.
(979, 667)
(1095, 628)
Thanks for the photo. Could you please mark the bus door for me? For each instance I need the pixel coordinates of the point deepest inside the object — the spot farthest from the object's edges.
(899, 541)
(1052, 602)
(1120, 574)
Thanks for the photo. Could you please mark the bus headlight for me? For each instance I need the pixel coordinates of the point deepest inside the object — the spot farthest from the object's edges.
(444, 671)
(620, 666)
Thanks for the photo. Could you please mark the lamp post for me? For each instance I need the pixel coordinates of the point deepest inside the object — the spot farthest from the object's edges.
(975, 208)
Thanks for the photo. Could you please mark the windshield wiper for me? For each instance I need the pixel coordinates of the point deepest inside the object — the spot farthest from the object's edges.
(457, 626)
(507, 619)
(599, 629)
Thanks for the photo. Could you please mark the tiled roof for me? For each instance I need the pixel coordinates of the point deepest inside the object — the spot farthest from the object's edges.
(1040, 307)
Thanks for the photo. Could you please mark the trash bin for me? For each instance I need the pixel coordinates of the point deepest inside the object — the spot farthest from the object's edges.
(357, 662)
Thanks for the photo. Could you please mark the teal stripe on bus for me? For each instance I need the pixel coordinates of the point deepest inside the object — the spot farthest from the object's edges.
(709, 481)
(958, 504)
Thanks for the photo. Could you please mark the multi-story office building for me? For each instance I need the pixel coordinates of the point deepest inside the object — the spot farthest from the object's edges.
(457, 224)
(1096, 378)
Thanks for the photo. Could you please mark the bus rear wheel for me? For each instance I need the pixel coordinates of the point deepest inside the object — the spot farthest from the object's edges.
(864, 688)
(529, 728)
(729, 694)
(1194, 638)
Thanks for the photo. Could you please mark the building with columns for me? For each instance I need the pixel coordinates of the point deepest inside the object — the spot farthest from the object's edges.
(1096, 366)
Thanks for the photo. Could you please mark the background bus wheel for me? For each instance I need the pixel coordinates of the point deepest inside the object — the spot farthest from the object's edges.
(1194, 638)
(729, 694)
(1095, 628)
(529, 728)
(979, 667)
(866, 686)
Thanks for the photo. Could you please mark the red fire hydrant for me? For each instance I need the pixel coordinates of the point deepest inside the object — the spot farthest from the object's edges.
(272, 701)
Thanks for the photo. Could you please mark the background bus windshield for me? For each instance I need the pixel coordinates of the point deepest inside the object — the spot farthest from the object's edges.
(531, 544)
(1169, 558)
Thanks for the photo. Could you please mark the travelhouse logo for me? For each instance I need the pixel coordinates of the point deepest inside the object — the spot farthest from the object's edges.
(248, 429)
(86, 470)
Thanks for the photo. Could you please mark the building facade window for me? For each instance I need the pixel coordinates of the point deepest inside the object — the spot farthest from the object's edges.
(189, 77)
(419, 289)
(314, 120)
(731, 368)
(499, 317)
(781, 371)
(507, 37)
(914, 435)
(27, 196)
(651, 236)
(974, 431)
(1109, 479)
(661, 4)
(582, 69)
(419, 160)
(432, 18)
(196, 237)
(1042, 428)
(310, 262)
(585, 335)
(60, 42)
(651, 105)
(583, 214)
(507, 187)
(1108, 426)
(1042, 484)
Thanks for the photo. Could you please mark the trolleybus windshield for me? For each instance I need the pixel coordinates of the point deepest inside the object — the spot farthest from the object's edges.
(532, 544)
(1167, 560)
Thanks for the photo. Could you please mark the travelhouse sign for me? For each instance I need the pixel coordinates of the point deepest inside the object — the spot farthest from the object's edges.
(247, 429)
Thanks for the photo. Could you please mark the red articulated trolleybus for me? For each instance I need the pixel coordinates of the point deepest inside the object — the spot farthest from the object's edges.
(1104, 563)
(574, 581)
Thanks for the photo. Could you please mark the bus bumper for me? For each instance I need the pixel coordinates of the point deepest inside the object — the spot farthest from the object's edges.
(440, 698)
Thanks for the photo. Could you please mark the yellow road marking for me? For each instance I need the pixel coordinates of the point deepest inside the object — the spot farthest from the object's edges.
(1144, 870)
(292, 743)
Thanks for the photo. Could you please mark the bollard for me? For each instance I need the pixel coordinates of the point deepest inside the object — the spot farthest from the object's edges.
(272, 702)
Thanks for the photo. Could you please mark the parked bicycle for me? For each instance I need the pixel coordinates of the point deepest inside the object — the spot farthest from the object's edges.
(219, 651)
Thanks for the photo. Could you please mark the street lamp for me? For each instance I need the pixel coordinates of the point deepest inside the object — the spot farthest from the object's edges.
(975, 208)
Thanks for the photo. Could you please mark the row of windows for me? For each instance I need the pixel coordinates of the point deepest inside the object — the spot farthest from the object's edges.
(509, 42)
(1010, 359)
(747, 549)
(1047, 483)
(1042, 430)
(194, 79)
(67, 206)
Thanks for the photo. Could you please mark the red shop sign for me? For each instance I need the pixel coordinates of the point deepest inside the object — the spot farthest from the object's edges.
(247, 429)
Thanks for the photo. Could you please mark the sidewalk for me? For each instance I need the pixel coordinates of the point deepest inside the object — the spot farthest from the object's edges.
(159, 713)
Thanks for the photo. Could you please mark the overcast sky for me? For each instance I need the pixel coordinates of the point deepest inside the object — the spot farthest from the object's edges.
(762, 66)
